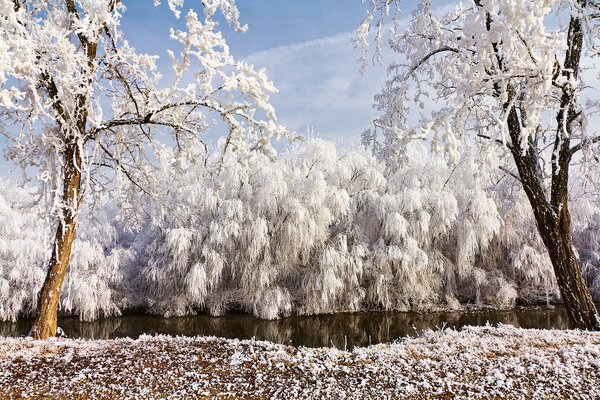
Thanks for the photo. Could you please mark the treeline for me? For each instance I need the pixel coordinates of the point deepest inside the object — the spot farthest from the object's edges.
(314, 230)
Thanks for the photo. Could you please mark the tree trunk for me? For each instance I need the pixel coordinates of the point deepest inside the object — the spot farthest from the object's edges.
(46, 319)
(74, 129)
(575, 294)
(554, 224)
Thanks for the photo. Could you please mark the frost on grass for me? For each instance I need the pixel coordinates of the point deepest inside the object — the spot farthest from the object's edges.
(477, 362)
(312, 231)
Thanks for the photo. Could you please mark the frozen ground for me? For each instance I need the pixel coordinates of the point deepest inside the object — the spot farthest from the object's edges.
(482, 362)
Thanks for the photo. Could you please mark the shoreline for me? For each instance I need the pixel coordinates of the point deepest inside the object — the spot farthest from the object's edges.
(343, 331)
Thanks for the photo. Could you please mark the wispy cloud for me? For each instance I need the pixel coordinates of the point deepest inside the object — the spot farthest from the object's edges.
(320, 87)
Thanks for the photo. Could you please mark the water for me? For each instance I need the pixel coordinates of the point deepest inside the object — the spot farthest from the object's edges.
(344, 331)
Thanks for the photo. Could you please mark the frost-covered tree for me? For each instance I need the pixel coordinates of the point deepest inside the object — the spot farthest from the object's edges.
(319, 231)
(77, 99)
(314, 230)
(513, 73)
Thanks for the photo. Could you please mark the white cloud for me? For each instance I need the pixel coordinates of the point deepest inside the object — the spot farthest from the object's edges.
(320, 87)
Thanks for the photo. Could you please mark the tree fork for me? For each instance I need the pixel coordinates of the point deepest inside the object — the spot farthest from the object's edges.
(552, 215)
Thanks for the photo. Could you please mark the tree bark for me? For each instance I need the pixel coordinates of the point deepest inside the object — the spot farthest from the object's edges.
(45, 324)
(575, 294)
(554, 224)
(557, 234)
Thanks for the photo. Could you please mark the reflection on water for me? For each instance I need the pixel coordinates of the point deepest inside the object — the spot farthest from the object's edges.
(339, 330)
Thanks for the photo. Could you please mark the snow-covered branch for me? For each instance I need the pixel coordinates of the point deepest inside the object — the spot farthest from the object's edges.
(584, 143)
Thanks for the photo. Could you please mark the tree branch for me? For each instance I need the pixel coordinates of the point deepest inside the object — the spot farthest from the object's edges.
(562, 151)
(496, 140)
(428, 56)
(122, 168)
(57, 104)
(140, 121)
(583, 143)
(509, 172)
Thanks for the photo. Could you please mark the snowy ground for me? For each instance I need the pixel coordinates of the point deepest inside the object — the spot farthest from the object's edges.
(476, 362)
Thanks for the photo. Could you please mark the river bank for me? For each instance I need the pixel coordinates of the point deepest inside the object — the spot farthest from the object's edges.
(475, 362)
(342, 330)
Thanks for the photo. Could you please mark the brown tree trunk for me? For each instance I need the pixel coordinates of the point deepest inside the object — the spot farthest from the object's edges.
(575, 294)
(46, 319)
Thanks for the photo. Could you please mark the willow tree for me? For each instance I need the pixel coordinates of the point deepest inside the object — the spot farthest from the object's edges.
(78, 102)
(509, 72)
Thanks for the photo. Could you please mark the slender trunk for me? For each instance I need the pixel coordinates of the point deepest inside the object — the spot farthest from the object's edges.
(46, 319)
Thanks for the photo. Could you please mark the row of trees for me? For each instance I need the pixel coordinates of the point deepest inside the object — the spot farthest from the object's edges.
(313, 231)
(77, 100)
